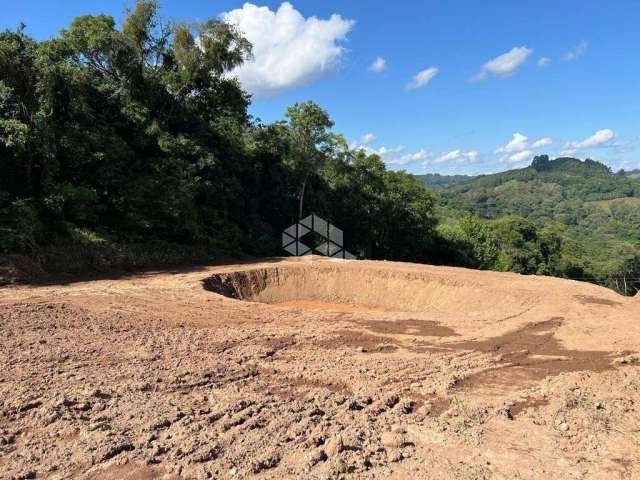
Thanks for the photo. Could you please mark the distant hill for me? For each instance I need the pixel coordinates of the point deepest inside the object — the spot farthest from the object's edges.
(598, 208)
(436, 181)
(633, 173)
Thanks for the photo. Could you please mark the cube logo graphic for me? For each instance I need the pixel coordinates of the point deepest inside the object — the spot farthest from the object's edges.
(331, 238)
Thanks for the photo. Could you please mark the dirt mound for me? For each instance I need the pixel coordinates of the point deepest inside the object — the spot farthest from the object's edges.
(19, 269)
(312, 368)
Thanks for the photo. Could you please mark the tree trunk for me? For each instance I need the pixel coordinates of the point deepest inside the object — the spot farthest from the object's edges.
(301, 199)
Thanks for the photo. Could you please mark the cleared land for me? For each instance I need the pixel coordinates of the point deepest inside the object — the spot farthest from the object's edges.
(319, 369)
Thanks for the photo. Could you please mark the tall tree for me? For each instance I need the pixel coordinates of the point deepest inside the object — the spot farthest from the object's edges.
(312, 142)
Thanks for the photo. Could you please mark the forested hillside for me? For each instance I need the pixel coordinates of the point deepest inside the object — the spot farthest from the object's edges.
(594, 212)
(129, 145)
(437, 181)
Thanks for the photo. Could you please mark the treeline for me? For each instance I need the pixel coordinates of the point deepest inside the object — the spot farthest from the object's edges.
(514, 243)
(130, 145)
(562, 217)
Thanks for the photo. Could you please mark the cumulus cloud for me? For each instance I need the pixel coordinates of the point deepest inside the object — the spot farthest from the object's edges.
(520, 156)
(421, 155)
(577, 51)
(390, 155)
(543, 62)
(422, 78)
(384, 151)
(288, 49)
(504, 65)
(458, 156)
(471, 156)
(448, 156)
(517, 143)
(379, 65)
(396, 156)
(520, 143)
(367, 138)
(365, 143)
(598, 139)
(543, 142)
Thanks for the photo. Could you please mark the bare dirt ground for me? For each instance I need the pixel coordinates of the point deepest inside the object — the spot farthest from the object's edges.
(319, 369)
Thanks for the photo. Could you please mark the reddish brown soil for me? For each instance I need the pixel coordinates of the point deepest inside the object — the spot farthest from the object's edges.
(319, 369)
(533, 353)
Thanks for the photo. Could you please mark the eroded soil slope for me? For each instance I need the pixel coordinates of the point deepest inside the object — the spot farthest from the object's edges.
(319, 369)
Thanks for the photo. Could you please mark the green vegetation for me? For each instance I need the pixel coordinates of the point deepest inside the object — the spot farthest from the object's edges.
(129, 146)
(561, 217)
(633, 173)
(437, 181)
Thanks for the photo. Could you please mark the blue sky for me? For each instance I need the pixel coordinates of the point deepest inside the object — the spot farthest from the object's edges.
(462, 88)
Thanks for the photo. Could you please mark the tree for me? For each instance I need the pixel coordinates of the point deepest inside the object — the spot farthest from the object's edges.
(541, 163)
(407, 218)
(474, 240)
(22, 121)
(384, 214)
(517, 240)
(311, 143)
(626, 278)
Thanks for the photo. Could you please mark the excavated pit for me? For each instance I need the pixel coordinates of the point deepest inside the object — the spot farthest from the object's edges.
(340, 286)
(437, 303)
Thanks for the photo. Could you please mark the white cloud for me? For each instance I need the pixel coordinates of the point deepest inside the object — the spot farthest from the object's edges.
(543, 142)
(598, 139)
(543, 62)
(517, 157)
(391, 155)
(379, 65)
(577, 52)
(422, 78)
(367, 138)
(517, 143)
(471, 156)
(288, 49)
(364, 144)
(504, 65)
(448, 156)
(383, 151)
(458, 156)
(520, 143)
(395, 156)
(420, 155)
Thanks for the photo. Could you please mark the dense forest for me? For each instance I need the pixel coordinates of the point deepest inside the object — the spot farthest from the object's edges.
(592, 213)
(130, 145)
